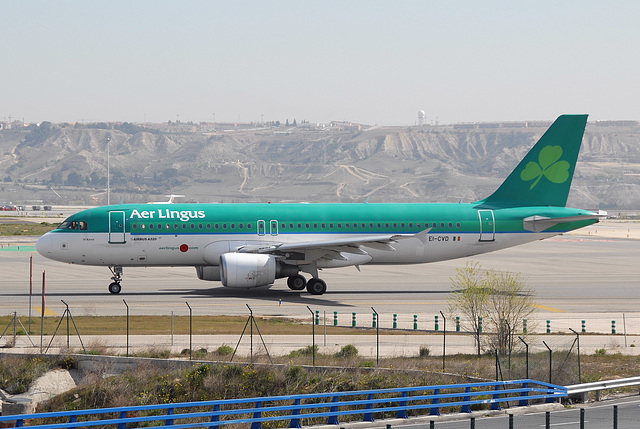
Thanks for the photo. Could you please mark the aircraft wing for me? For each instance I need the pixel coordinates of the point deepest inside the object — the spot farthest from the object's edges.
(540, 223)
(351, 245)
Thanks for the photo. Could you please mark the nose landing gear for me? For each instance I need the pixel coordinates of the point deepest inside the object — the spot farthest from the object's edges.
(115, 287)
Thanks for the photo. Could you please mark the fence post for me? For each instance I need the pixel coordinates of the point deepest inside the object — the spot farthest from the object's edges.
(437, 325)
(615, 417)
(215, 417)
(584, 326)
(415, 321)
(256, 415)
(374, 323)
(457, 323)
(317, 317)
(613, 326)
(548, 326)
(496, 405)
(395, 321)
(402, 414)
(295, 422)
(435, 411)
(353, 319)
(335, 318)
(466, 408)
(368, 417)
(333, 420)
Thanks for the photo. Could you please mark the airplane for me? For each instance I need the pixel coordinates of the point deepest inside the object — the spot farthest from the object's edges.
(252, 245)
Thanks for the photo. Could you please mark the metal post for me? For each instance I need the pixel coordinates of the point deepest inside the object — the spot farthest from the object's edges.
(251, 330)
(374, 321)
(579, 366)
(527, 355)
(550, 361)
(30, 288)
(335, 318)
(317, 317)
(127, 305)
(313, 336)
(510, 421)
(444, 340)
(375, 314)
(457, 323)
(548, 326)
(584, 326)
(615, 417)
(613, 326)
(437, 326)
(581, 418)
(547, 420)
(395, 321)
(353, 319)
(66, 312)
(191, 329)
(15, 329)
(171, 328)
(415, 321)
(325, 328)
(44, 278)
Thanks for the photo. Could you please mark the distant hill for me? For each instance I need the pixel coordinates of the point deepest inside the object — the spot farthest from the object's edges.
(67, 164)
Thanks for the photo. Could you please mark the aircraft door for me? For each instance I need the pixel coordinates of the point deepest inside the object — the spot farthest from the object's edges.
(274, 227)
(261, 227)
(116, 227)
(487, 225)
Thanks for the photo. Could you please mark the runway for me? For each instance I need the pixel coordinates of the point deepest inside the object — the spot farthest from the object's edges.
(587, 272)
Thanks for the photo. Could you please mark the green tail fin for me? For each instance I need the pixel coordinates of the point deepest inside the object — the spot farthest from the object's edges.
(543, 177)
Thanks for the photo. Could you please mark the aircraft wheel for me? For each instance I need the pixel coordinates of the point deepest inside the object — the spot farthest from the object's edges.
(297, 282)
(115, 288)
(316, 287)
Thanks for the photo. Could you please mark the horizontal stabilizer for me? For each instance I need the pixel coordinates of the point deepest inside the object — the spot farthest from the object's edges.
(538, 223)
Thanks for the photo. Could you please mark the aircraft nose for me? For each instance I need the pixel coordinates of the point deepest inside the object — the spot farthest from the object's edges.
(43, 245)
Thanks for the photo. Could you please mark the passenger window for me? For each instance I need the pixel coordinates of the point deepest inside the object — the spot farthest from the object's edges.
(134, 226)
(150, 226)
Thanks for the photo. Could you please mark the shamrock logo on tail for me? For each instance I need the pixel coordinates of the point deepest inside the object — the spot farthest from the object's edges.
(548, 165)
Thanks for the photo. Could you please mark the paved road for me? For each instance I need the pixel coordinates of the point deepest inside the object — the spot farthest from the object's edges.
(597, 416)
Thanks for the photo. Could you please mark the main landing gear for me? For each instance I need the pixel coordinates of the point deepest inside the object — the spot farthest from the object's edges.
(314, 286)
(115, 287)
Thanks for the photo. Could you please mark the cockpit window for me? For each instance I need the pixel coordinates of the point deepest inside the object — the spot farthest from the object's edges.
(75, 225)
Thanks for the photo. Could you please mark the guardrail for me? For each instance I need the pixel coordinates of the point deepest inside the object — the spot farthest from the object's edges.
(295, 408)
(598, 386)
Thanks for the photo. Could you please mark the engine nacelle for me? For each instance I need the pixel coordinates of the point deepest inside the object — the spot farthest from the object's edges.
(208, 272)
(248, 270)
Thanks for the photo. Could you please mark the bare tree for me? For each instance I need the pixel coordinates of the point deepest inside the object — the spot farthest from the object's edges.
(502, 299)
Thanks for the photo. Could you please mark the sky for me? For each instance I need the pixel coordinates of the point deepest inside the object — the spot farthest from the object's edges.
(370, 62)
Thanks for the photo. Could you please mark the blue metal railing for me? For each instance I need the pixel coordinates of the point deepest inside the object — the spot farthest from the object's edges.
(295, 408)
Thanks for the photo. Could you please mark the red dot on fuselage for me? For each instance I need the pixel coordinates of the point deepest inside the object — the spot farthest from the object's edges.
(184, 248)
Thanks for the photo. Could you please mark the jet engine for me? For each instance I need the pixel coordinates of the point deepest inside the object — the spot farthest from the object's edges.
(248, 270)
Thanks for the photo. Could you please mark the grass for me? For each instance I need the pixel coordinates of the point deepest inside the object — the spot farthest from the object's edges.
(34, 229)
(202, 325)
